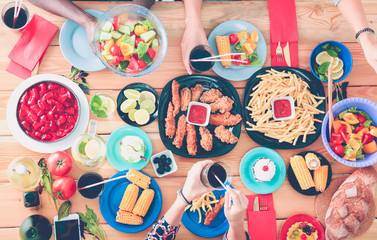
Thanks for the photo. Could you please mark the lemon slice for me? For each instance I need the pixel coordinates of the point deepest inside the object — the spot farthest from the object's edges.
(148, 105)
(323, 57)
(108, 104)
(141, 116)
(128, 105)
(335, 62)
(338, 67)
(146, 95)
(132, 94)
(131, 115)
(337, 75)
(92, 149)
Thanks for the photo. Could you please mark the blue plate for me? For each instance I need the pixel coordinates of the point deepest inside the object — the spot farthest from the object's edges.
(217, 227)
(236, 73)
(75, 47)
(112, 196)
(113, 148)
(246, 170)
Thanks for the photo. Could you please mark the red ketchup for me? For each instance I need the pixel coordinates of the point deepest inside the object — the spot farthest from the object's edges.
(197, 114)
(282, 108)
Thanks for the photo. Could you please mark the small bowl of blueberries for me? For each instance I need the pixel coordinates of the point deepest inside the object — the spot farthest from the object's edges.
(163, 163)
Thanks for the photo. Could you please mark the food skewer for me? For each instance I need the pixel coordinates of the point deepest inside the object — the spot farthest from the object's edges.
(16, 11)
(222, 184)
(329, 95)
(105, 181)
(214, 58)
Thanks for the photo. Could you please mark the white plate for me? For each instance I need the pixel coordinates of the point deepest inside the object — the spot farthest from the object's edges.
(47, 147)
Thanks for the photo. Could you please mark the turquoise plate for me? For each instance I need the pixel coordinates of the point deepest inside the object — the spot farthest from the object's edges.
(75, 46)
(247, 176)
(113, 148)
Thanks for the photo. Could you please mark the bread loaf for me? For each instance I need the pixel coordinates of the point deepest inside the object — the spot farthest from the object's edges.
(350, 204)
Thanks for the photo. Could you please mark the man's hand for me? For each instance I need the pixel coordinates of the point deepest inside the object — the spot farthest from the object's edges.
(234, 211)
(369, 44)
(89, 28)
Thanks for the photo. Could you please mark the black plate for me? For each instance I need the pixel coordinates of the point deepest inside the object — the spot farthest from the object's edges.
(293, 180)
(139, 87)
(316, 88)
(208, 82)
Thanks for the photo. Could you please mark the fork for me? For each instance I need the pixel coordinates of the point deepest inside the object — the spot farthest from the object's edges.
(263, 205)
(279, 53)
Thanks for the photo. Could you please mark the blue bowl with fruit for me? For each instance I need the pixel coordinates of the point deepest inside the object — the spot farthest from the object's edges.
(353, 139)
(130, 40)
(331, 52)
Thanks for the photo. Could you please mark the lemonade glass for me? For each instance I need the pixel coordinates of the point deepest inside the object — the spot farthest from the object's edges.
(102, 105)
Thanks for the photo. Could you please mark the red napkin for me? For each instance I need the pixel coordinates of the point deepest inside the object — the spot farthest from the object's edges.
(31, 47)
(283, 29)
(261, 224)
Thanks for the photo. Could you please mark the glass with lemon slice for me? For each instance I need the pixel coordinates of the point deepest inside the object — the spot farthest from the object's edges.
(89, 149)
(102, 105)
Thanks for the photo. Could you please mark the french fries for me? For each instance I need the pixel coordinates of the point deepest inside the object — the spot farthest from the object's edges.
(275, 84)
(204, 202)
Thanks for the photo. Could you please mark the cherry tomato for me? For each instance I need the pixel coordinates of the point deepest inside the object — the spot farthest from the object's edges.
(361, 119)
(151, 53)
(236, 57)
(116, 60)
(59, 163)
(357, 129)
(133, 66)
(336, 138)
(115, 50)
(64, 187)
(102, 45)
(141, 63)
(367, 138)
(233, 38)
(137, 41)
(339, 149)
(116, 23)
(343, 133)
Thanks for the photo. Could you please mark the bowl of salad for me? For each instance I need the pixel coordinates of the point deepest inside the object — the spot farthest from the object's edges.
(130, 40)
(353, 138)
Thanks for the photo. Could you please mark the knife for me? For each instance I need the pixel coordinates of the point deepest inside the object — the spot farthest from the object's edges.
(256, 204)
(287, 55)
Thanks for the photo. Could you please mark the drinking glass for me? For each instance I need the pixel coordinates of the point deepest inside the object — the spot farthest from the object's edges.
(87, 179)
(222, 170)
(7, 16)
(201, 51)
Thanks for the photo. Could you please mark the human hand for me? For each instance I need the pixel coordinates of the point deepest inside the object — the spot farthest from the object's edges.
(194, 35)
(89, 28)
(369, 44)
(193, 187)
(234, 212)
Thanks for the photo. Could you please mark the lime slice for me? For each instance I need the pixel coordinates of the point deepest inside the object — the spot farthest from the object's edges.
(108, 104)
(92, 149)
(128, 105)
(82, 147)
(146, 95)
(137, 146)
(338, 67)
(323, 57)
(131, 115)
(337, 75)
(148, 105)
(142, 116)
(131, 94)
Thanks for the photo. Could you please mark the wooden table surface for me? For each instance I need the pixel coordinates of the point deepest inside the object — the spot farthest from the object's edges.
(318, 20)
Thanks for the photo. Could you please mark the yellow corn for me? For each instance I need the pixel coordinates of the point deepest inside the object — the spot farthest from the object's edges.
(312, 161)
(129, 198)
(223, 47)
(139, 179)
(144, 202)
(320, 178)
(302, 173)
(128, 218)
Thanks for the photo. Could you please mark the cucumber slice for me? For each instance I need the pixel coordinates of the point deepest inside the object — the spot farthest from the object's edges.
(148, 35)
(107, 26)
(154, 43)
(104, 36)
(123, 65)
(129, 40)
(147, 59)
(116, 34)
(124, 29)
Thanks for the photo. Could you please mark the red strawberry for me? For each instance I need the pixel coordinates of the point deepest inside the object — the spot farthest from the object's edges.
(38, 134)
(32, 100)
(37, 125)
(32, 117)
(48, 96)
(62, 119)
(46, 137)
(70, 111)
(70, 95)
(43, 118)
(52, 86)
(26, 125)
(24, 98)
(62, 98)
(53, 127)
(45, 129)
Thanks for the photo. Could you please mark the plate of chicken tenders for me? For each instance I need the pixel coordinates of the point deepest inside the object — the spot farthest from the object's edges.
(199, 116)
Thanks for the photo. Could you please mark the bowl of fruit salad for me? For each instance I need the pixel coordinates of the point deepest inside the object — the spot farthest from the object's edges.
(130, 40)
(353, 136)
(46, 112)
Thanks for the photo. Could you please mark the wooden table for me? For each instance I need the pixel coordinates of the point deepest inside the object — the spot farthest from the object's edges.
(318, 20)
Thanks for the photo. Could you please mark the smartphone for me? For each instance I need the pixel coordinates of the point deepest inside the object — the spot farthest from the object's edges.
(67, 228)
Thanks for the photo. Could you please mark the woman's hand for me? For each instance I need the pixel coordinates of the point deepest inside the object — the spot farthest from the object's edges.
(369, 44)
(234, 212)
(193, 187)
(89, 28)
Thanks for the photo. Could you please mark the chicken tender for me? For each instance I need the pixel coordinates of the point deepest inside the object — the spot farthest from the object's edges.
(170, 122)
(211, 95)
(206, 140)
(196, 92)
(185, 98)
(215, 210)
(181, 132)
(226, 119)
(223, 104)
(175, 97)
(191, 140)
(225, 135)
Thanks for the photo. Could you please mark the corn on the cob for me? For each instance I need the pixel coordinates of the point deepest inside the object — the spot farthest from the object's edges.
(139, 179)
(312, 161)
(320, 178)
(302, 173)
(129, 198)
(223, 47)
(144, 202)
(128, 218)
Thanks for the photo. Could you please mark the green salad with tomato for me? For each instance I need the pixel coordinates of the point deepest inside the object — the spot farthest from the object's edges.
(128, 46)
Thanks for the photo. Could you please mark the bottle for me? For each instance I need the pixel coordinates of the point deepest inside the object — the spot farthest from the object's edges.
(23, 173)
(31, 199)
(35, 227)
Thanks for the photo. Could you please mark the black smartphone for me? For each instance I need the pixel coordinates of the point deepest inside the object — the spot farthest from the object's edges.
(67, 228)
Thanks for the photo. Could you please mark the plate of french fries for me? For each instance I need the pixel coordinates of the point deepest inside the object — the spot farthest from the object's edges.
(131, 204)
(309, 102)
(205, 216)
